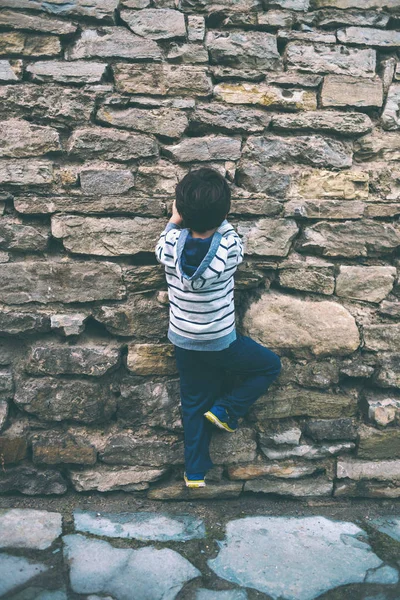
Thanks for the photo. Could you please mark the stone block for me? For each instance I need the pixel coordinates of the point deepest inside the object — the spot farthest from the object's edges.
(319, 486)
(349, 238)
(151, 359)
(265, 95)
(324, 209)
(155, 449)
(347, 185)
(110, 144)
(284, 322)
(132, 318)
(368, 36)
(384, 470)
(108, 478)
(66, 72)
(57, 447)
(313, 150)
(343, 91)
(32, 481)
(168, 122)
(347, 124)
(244, 49)
(376, 444)
(17, 235)
(371, 284)
(91, 359)
(330, 58)
(162, 79)
(383, 408)
(390, 117)
(383, 336)
(156, 403)
(155, 23)
(113, 42)
(10, 70)
(26, 172)
(97, 9)
(232, 449)
(332, 429)
(267, 237)
(26, 44)
(106, 236)
(231, 119)
(42, 23)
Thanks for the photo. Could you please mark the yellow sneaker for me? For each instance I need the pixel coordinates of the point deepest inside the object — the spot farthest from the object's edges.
(219, 417)
(194, 481)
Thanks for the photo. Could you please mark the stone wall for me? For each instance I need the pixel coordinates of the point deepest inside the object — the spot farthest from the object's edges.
(104, 106)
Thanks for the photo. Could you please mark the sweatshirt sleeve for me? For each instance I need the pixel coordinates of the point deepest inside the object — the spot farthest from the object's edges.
(164, 249)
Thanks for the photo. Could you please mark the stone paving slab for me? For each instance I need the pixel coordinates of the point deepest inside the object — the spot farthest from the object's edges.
(29, 528)
(144, 526)
(285, 557)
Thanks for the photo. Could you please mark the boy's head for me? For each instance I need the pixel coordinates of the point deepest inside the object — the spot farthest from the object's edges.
(203, 199)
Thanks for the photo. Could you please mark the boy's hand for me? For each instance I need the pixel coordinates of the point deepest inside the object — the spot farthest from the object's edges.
(176, 217)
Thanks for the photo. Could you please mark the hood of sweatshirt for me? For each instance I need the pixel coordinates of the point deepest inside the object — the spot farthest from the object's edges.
(213, 264)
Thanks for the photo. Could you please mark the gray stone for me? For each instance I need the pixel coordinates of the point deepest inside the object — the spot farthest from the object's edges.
(50, 359)
(307, 325)
(347, 559)
(332, 429)
(20, 139)
(301, 5)
(378, 145)
(319, 486)
(363, 4)
(349, 239)
(29, 528)
(32, 481)
(288, 469)
(155, 450)
(26, 172)
(14, 322)
(324, 209)
(115, 42)
(106, 236)
(6, 384)
(267, 237)
(321, 374)
(203, 594)
(212, 147)
(50, 104)
(68, 324)
(144, 278)
(265, 95)
(67, 72)
(376, 444)
(313, 150)
(383, 409)
(178, 491)
(390, 117)
(162, 79)
(54, 399)
(231, 119)
(371, 284)
(382, 337)
(109, 478)
(389, 525)
(258, 178)
(332, 17)
(58, 282)
(168, 122)
(155, 23)
(132, 318)
(17, 235)
(347, 124)
(10, 70)
(160, 178)
(16, 571)
(98, 9)
(110, 144)
(296, 402)
(244, 49)
(367, 489)
(187, 53)
(155, 403)
(42, 23)
(26, 44)
(307, 36)
(329, 58)
(106, 181)
(143, 526)
(287, 434)
(290, 79)
(307, 451)
(196, 28)
(98, 567)
(390, 309)
(388, 373)
(367, 36)
(383, 470)
(90, 205)
(236, 448)
(232, 6)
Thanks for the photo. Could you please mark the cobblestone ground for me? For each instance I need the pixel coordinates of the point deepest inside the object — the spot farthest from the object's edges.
(121, 548)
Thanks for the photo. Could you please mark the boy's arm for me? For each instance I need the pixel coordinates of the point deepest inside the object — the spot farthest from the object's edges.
(167, 240)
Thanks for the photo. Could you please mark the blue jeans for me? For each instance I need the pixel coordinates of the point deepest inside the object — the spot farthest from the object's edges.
(203, 384)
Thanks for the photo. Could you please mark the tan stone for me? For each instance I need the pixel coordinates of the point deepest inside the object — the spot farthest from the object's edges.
(320, 486)
(384, 336)
(283, 322)
(178, 491)
(385, 470)
(268, 237)
(19, 139)
(162, 79)
(279, 469)
(371, 284)
(265, 95)
(28, 44)
(151, 359)
(349, 185)
(106, 478)
(324, 209)
(344, 91)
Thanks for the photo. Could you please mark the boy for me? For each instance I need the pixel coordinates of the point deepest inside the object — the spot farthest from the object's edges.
(201, 251)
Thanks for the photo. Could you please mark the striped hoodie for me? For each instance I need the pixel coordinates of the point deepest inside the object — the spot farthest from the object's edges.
(201, 306)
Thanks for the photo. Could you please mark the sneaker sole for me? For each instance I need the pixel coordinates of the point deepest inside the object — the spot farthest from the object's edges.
(194, 484)
(213, 419)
